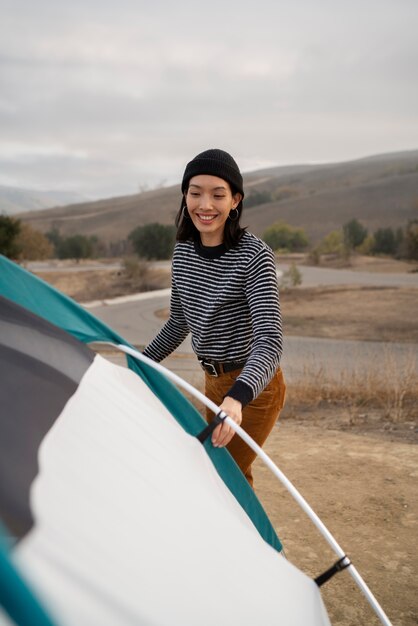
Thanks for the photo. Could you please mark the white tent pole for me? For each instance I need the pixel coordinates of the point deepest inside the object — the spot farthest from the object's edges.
(273, 467)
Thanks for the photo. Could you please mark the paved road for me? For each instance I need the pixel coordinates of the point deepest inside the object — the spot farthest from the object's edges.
(136, 321)
(55, 265)
(65, 266)
(321, 276)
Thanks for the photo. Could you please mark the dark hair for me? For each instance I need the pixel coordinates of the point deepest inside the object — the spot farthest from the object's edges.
(186, 230)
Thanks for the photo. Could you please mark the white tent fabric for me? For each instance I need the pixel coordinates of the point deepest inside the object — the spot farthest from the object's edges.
(133, 525)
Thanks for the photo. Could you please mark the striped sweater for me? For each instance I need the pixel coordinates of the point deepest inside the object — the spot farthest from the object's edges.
(229, 301)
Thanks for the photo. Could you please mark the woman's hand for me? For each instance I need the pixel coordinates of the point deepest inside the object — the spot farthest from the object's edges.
(223, 433)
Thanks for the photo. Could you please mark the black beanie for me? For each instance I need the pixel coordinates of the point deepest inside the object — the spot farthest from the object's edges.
(216, 163)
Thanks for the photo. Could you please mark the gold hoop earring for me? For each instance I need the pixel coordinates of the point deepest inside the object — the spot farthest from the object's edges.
(234, 219)
(186, 213)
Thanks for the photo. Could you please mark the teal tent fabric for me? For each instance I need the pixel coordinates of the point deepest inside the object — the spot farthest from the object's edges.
(16, 597)
(34, 294)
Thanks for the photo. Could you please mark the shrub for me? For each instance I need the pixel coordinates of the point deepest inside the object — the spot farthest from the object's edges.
(291, 278)
(333, 243)
(284, 193)
(314, 256)
(283, 236)
(137, 271)
(367, 246)
(33, 245)
(255, 198)
(153, 241)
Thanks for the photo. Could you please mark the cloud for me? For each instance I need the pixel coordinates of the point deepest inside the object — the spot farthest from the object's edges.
(104, 95)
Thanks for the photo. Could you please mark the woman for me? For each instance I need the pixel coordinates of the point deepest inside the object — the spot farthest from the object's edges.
(224, 291)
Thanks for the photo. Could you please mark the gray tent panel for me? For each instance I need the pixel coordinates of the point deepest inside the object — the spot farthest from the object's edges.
(37, 379)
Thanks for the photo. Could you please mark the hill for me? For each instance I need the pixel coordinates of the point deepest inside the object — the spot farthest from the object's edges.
(15, 200)
(381, 191)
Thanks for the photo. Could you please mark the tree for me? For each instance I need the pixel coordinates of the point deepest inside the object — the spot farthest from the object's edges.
(153, 241)
(9, 231)
(399, 236)
(283, 236)
(411, 240)
(54, 236)
(33, 245)
(354, 233)
(384, 241)
(75, 247)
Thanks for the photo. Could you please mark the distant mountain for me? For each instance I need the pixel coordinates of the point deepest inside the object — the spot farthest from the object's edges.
(380, 191)
(16, 200)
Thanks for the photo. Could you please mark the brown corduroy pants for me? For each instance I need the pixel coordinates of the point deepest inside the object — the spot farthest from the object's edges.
(258, 417)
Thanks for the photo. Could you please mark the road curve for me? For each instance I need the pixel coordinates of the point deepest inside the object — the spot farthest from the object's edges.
(135, 319)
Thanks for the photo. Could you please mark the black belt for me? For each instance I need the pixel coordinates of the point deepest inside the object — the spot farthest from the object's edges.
(214, 368)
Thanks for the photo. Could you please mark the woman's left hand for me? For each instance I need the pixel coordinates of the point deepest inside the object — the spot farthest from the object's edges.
(223, 433)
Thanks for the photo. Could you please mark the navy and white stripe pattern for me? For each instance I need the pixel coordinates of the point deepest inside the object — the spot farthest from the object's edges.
(229, 301)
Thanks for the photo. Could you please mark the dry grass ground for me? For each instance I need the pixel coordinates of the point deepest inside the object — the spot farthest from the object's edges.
(100, 284)
(349, 447)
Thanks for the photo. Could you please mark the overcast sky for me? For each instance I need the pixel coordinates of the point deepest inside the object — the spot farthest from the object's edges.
(104, 97)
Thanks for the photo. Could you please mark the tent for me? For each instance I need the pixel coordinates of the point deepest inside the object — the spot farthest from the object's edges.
(114, 512)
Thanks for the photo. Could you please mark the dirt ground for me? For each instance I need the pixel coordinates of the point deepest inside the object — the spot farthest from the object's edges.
(365, 490)
(362, 313)
(359, 477)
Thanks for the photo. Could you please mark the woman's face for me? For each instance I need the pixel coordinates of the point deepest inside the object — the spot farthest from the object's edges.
(209, 201)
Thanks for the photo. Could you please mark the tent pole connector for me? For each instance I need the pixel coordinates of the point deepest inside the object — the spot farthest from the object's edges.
(339, 566)
(208, 430)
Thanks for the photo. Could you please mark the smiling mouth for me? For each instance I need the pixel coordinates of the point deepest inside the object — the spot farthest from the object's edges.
(206, 218)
